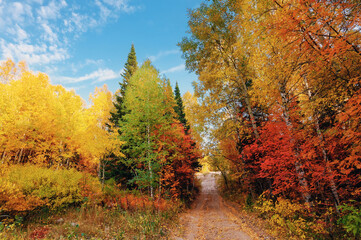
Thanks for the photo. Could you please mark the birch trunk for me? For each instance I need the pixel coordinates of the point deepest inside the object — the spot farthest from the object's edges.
(20, 155)
(328, 170)
(3, 157)
(244, 87)
(103, 177)
(298, 165)
(149, 163)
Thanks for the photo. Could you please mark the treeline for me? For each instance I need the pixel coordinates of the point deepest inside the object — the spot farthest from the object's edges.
(55, 150)
(279, 103)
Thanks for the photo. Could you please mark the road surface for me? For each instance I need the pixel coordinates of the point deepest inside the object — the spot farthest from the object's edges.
(212, 218)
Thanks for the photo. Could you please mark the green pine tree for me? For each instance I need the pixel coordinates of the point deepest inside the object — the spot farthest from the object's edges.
(179, 108)
(130, 68)
(116, 168)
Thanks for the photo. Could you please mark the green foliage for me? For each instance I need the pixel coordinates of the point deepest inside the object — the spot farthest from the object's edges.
(146, 120)
(130, 68)
(116, 168)
(249, 202)
(110, 188)
(179, 108)
(351, 220)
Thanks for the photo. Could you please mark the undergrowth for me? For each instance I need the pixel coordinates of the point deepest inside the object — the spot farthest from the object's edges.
(94, 222)
(39, 203)
(293, 220)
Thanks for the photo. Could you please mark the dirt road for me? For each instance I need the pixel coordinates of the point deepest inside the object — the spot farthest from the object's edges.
(211, 217)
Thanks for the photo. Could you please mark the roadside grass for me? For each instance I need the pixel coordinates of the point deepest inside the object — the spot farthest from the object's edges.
(38, 203)
(95, 222)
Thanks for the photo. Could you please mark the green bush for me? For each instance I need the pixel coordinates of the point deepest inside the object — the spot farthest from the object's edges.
(351, 220)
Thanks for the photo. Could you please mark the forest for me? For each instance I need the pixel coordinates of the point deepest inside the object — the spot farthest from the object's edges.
(132, 151)
(278, 107)
(276, 110)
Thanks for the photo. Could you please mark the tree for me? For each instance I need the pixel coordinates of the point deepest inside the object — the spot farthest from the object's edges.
(114, 167)
(130, 68)
(219, 51)
(48, 125)
(194, 116)
(180, 163)
(107, 145)
(145, 121)
(179, 108)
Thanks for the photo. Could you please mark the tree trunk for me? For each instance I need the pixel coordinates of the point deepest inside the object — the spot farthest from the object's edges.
(103, 178)
(324, 152)
(3, 157)
(100, 172)
(298, 165)
(20, 155)
(244, 88)
(149, 163)
(249, 109)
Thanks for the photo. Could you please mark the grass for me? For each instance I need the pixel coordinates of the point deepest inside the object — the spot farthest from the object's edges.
(94, 222)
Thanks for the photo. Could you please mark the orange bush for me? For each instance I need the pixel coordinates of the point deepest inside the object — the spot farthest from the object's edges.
(137, 203)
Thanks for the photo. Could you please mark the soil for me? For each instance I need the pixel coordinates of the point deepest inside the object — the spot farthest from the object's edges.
(211, 217)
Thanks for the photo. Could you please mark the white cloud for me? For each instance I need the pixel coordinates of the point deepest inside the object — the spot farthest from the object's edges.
(99, 75)
(41, 32)
(22, 35)
(93, 61)
(104, 11)
(163, 54)
(19, 11)
(174, 69)
(106, 8)
(51, 11)
(120, 5)
(75, 88)
(37, 1)
(33, 54)
(17, 32)
(76, 67)
(49, 35)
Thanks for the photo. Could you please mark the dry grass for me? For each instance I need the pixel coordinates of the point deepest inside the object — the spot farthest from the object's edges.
(95, 222)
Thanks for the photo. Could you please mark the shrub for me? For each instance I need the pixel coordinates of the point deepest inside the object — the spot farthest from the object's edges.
(13, 199)
(351, 220)
(290, 217)
(25, 188)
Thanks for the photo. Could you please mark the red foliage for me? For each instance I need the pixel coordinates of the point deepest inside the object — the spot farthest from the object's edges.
(177, 178)
(275, 159)
(345, 148)
(322, 29)
(39, 232)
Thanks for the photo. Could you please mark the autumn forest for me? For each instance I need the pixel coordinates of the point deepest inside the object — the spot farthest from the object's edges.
(276, 112)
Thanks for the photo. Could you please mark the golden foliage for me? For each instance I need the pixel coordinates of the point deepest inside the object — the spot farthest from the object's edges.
(46, 124)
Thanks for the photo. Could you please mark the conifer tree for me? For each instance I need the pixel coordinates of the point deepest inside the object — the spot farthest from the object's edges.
(130, 68)
(116, 168)
(179, 108)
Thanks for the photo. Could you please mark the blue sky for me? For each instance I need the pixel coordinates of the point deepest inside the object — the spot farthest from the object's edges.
(83, 44)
